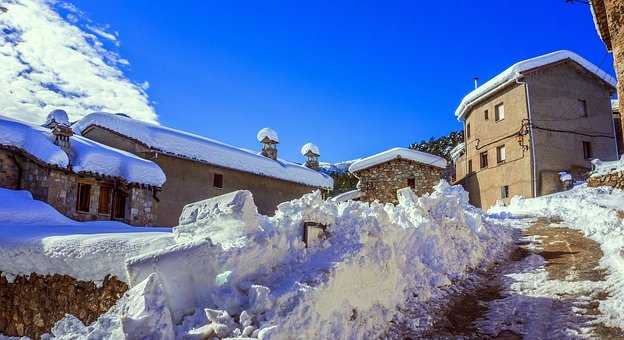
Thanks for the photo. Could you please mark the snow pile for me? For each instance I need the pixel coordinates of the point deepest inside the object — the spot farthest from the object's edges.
(597, 213)
(258, 279)
(34, 237)
(267, 133)
(346, 196)
(182, 144)
(309, 147)
(85, 156)
(602, 168)
(388, 155)
(515, 71)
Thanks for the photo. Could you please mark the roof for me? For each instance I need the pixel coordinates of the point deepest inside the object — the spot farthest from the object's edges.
(347, 196)
(457, 151)
(516, 71)
(599, 14)
(190, 146)
(86, 156)
(403, 153)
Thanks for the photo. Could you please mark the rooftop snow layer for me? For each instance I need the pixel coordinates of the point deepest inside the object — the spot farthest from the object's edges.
(457, 151)
(309, 147)
(87, 155)
(388, 155)
(267, 133)
(516, 70)
(186, 145)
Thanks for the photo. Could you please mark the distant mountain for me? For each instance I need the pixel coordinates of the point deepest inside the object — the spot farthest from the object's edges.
(343, 180)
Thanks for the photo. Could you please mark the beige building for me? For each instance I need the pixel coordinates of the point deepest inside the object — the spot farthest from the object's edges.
(538, 118)
(198, 168)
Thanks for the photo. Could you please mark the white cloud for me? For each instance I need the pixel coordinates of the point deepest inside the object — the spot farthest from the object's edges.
(47, 63)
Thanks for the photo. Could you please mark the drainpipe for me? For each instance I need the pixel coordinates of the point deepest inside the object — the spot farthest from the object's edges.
(533, 163)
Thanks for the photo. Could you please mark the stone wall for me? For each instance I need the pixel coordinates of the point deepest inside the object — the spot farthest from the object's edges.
(382, 181)
(9, 171)
(30, 305)
(615, 19)
(614, 179)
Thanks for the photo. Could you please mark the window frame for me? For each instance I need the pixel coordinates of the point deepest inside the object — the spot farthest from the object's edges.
(497, 112)
(109, 201)
(411, 182)
(587, 150)
(217, 180)
(119, 196)
(501, 157)
(467, 131)
(483, 156)
(486, 114)
(80, 197)
(585, 111)
(470, 169)
(504, 191)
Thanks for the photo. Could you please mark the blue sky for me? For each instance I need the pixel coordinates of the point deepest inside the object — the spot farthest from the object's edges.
(354, 77)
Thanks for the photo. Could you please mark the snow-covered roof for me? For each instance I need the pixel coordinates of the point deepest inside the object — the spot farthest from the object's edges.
(267, 133)
(309, 147)
(347, 196)
(457, 151)
(186, 145)
(86, 156)
(57, 117)
(516, 70)
(615, 105)
(388, 155)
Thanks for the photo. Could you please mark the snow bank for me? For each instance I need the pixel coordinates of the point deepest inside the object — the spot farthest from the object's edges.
(260, 280)
(602, 168)
(595, 212)
(388, 155)
(182, 144)
(34, 237)
(515, 71)
(346, 196)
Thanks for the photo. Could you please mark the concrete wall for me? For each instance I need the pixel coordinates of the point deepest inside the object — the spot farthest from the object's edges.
(190, 181)
(484, 184)
(555, 92)
(382, 181)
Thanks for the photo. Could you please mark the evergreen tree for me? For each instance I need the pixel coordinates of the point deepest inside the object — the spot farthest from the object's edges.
(440, 146)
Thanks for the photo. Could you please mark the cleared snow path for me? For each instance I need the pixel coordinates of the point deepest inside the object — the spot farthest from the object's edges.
(550, 288)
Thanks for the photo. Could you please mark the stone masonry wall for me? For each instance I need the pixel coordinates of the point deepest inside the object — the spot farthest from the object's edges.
(9, 171)
(614, 179)
(615, 19)
(382, 181)
(142, 207)
(30, 305)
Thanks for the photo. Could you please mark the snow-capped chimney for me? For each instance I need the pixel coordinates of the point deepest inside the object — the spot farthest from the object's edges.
(312, 153)
(268, 138)
(58, 121)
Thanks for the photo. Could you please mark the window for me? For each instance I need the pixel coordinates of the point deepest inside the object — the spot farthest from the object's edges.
(499, 112)
(119, 205)
(483, 159)
(104, 201)
(487, 115)
(505, 191)
(582, 107)
(587, 150)
(411, 182)
(217, 181)
(500, 154)
(467, 131)
(84, 197)
(470, 166)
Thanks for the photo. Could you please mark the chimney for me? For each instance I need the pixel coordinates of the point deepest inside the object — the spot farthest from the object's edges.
(311, 152)
(269, 139)
(58, 121)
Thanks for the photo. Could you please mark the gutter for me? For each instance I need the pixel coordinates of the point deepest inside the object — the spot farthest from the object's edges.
(533, 162)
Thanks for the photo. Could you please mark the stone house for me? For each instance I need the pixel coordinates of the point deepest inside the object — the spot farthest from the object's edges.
(609, 19)
(540, 117)
(382, 174)
(82, 179)
(198, 168)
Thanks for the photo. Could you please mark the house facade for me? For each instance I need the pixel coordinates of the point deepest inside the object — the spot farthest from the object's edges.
(538, 118)
(382, 175)
(83, 180)
(198, 168)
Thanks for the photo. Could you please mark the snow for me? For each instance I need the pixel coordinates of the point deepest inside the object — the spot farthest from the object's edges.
(267, 133)
(85, 156)
(615, 105)
(57, 117)
(388, 155)
(182, 144)
(515, 71)
(49, 60)
(602, 168)
(34, 237)
(457, 151)
(260, 280)
(594, 211)
(347, 196)
(309, 147)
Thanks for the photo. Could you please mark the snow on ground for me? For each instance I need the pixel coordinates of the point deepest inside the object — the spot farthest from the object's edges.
(597, 212)
(34, 237)
(233, 272)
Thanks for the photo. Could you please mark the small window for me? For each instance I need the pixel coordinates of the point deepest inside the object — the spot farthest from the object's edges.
(467, 131)
(582, 104)
(500, 154)
(217, 181)
(505, 191)
(84, 197)
(119, 205)
(499, 112)
(470, 166)
(587, 150)
(104, 201)
(487, 115)
(483, 159)
(411, 182)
